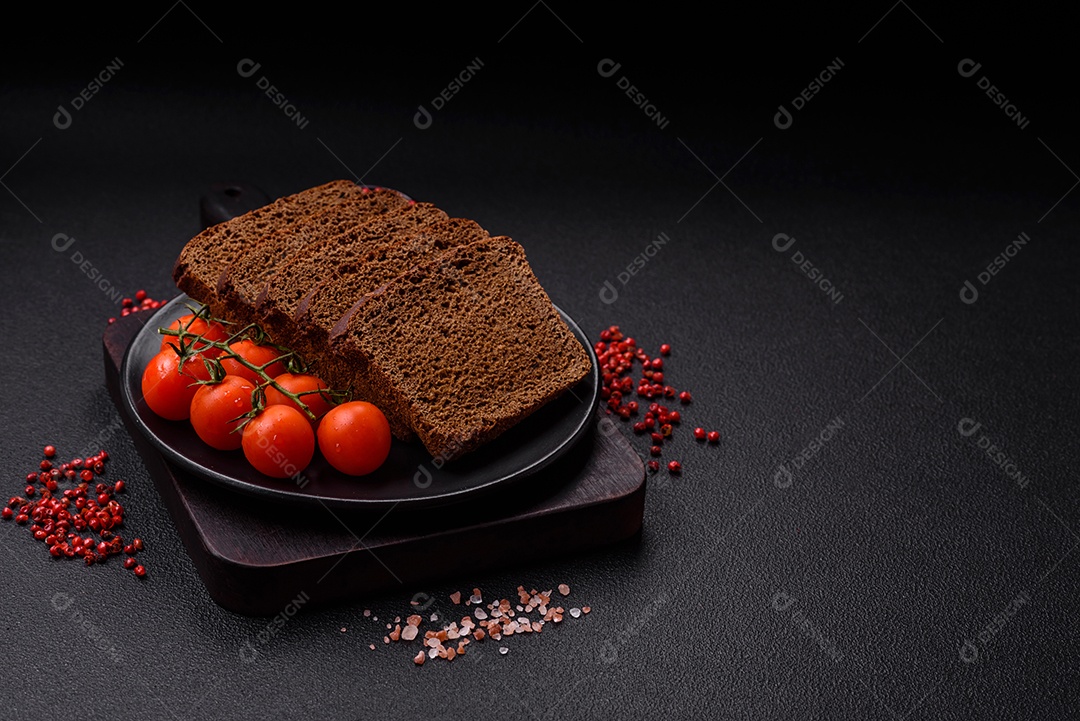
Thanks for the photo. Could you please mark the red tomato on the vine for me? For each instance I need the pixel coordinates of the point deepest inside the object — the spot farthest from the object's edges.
(211, 331)
(216, 411)
(355, 438)
(257, 355)
(317, 403)
(168, 390)
(279, 442)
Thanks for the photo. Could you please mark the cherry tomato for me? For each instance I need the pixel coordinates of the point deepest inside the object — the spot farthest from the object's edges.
(168, 391)
(216, 411)
(317, 403)
(256, 355)
(355, 438)
(279, 442)
(211, 331)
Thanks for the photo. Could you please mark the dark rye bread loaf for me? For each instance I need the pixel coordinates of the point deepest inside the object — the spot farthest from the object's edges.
(329, 258)
(238, 286)
(464, 347)
(324, 305)
(205, 256)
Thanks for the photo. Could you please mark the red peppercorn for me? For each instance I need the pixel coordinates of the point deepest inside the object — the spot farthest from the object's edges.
(639, 427)
(140, 571)
(649, 421)
(665, 349)
(22, 518)
(118, 487)
(45, 465)
(685, 396)
(714, 436)
(669, 392)
(655, 450)
(699, 434)
(665, 430)
(654, 466)
(129, 549)
(29, 490)
(658, 437)
(103, 498)
(31, 477)
(632, 406)
(130, 563)
(87, 475)
(138, 543)
(140, 295)
(674, 467)
(50, 451)
(7, 513)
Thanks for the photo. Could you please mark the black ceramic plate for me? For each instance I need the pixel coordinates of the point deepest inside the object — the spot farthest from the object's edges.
(409, 476)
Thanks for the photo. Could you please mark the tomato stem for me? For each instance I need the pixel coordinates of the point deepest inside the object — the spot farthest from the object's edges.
(192, 344)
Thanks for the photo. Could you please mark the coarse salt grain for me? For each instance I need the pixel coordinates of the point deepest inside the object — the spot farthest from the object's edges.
(575, 612)
(564, 589)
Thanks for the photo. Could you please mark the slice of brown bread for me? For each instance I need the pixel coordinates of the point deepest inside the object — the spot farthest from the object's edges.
(239, 284)
(467, 346)
(331, 257)
(205, 256)
(324, 305)
(309, 330)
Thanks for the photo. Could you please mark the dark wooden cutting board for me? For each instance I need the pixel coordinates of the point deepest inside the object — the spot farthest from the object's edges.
(256, 556)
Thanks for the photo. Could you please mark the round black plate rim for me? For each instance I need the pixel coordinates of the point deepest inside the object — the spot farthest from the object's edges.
(287, 495)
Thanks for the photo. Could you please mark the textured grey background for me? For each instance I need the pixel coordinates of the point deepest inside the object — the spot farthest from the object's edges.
(894, 544)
